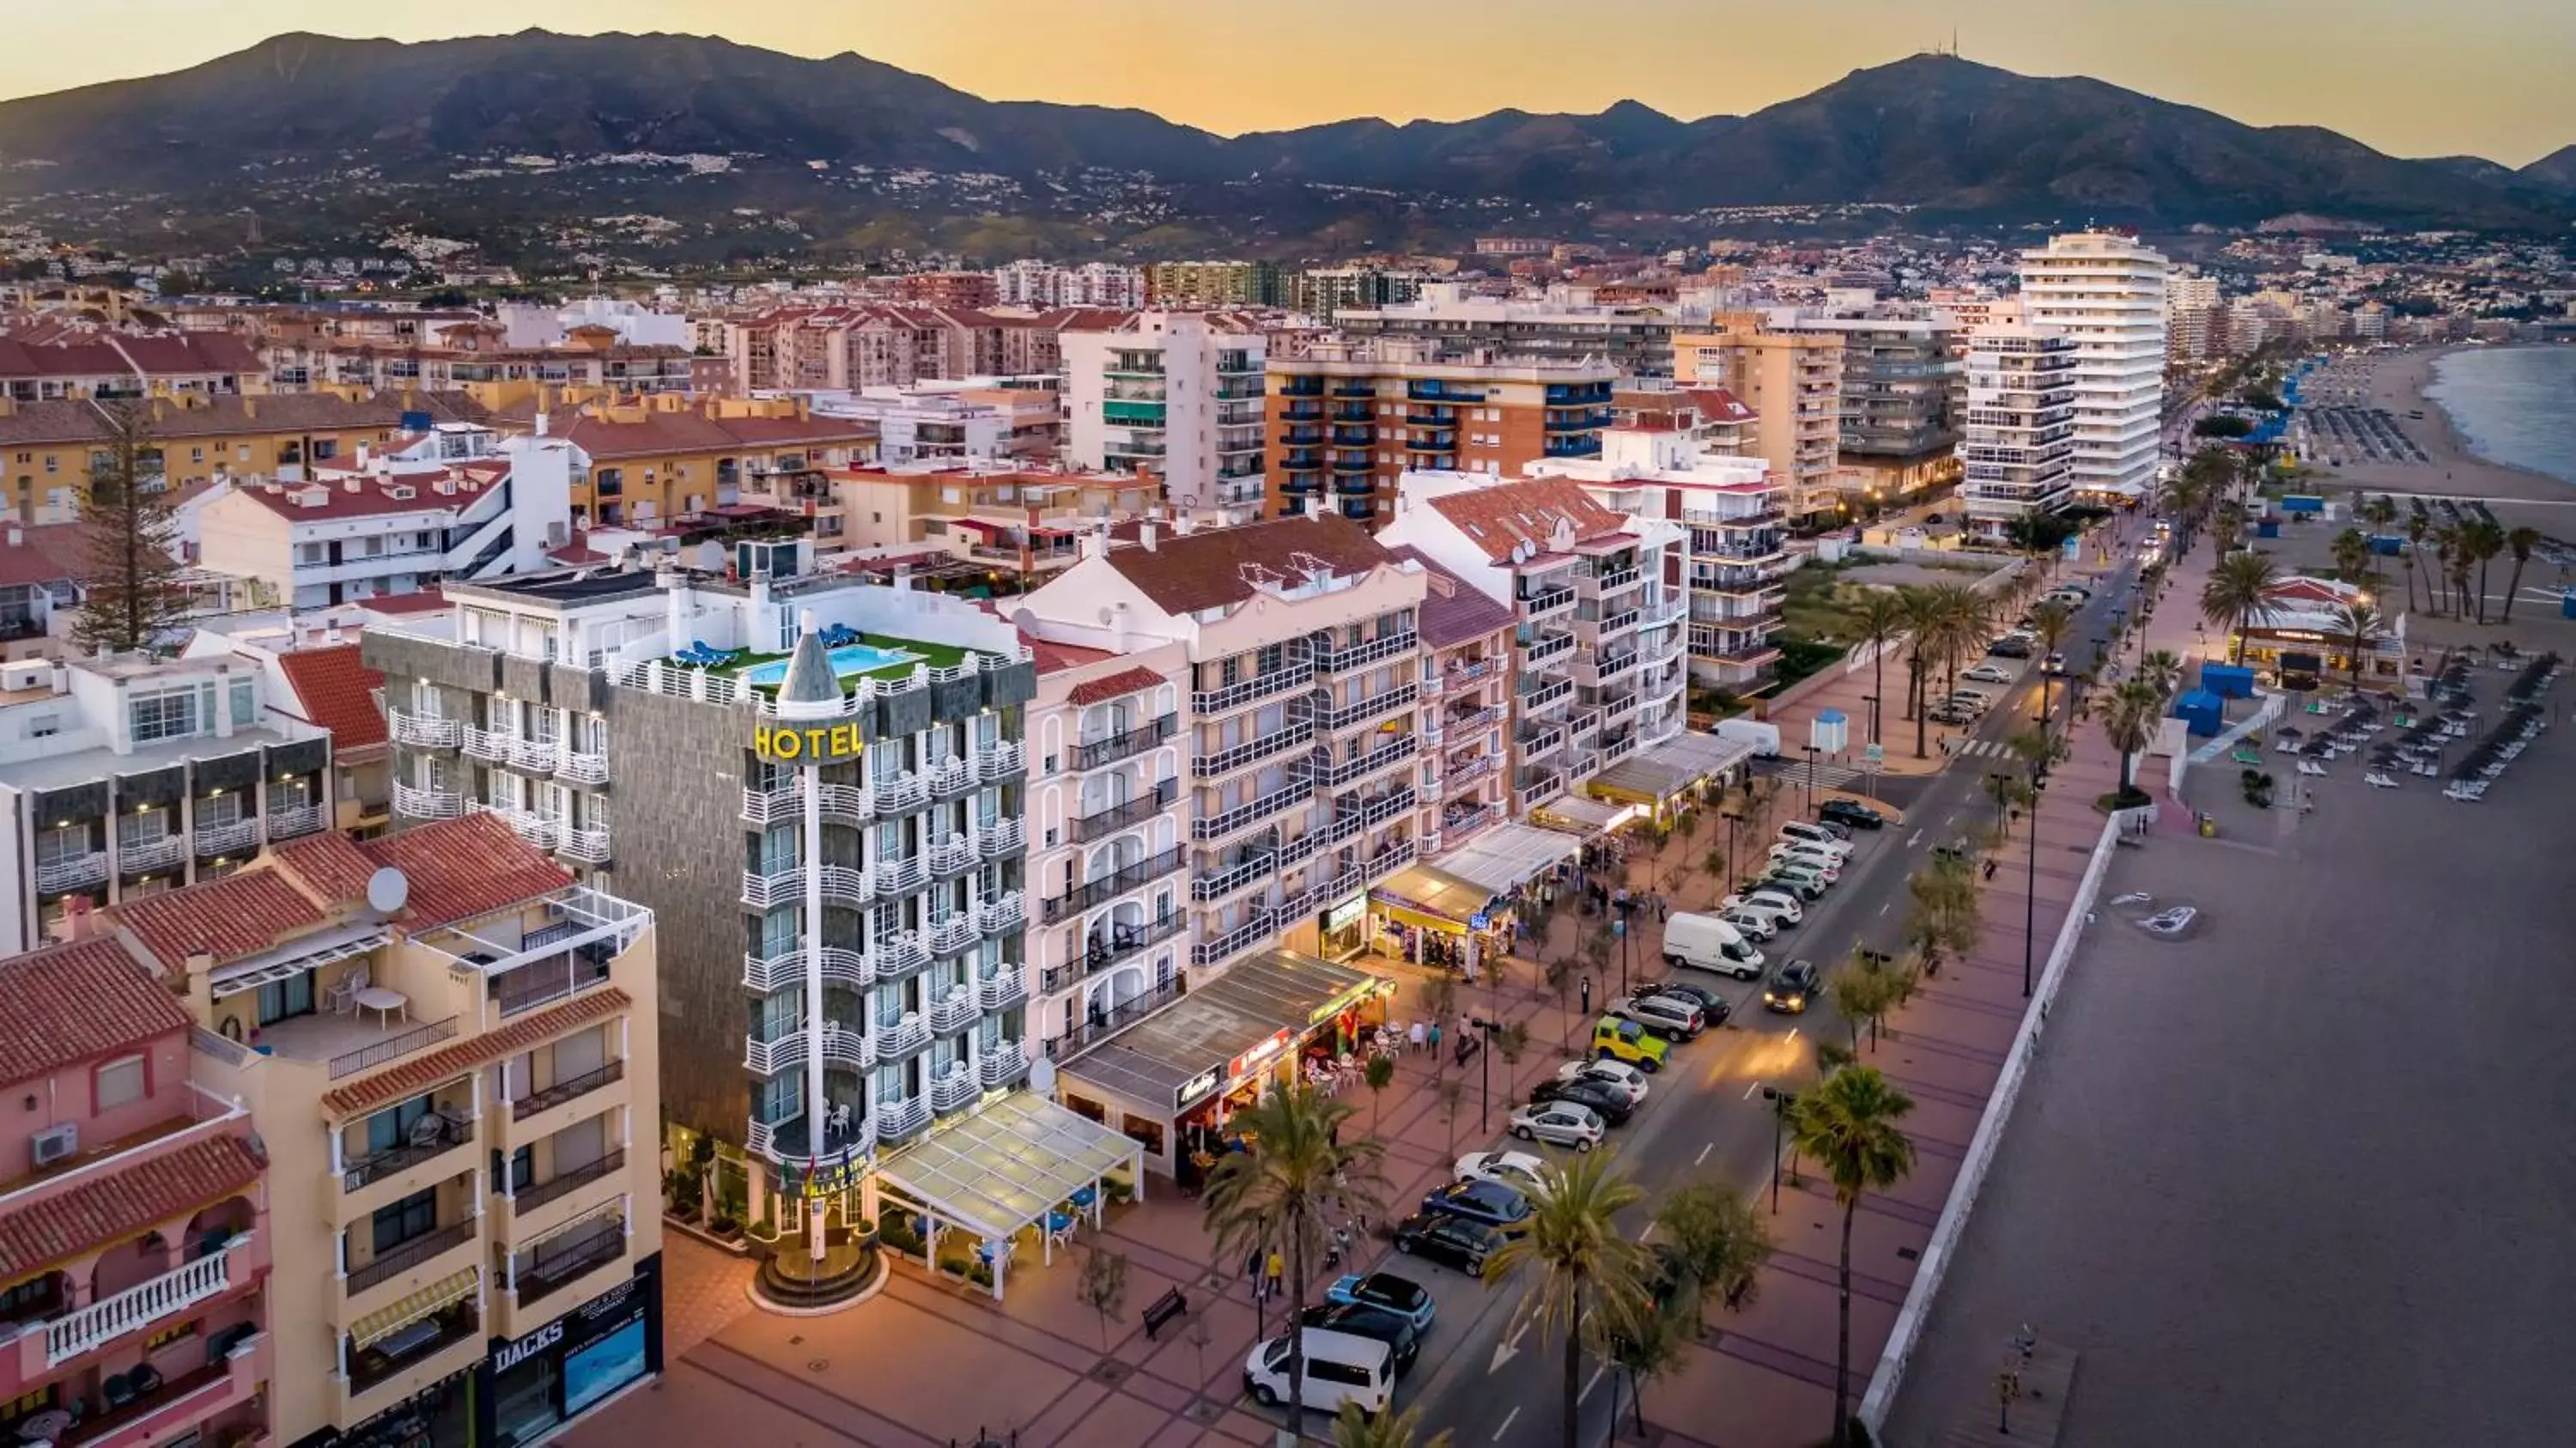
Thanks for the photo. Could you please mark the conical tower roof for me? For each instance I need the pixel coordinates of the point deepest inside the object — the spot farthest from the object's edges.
(810, 678)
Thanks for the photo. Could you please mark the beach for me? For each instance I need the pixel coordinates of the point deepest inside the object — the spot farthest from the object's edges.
(2397, 384)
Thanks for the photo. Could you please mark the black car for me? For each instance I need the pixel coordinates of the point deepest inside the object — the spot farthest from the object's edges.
(1850, 815)
(1790, 988)
(1392, 1328)
(1456, 1241)
(2008, 649)
(1491, 1203)
(1612, 1106)
(1712, 1006)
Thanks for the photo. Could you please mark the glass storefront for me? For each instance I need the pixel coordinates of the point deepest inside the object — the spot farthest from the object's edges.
(574, 1362)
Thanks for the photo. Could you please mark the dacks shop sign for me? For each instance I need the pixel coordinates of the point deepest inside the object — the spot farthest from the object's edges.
(810, 744)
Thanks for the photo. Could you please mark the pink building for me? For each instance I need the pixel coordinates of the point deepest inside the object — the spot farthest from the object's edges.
(134, 1240)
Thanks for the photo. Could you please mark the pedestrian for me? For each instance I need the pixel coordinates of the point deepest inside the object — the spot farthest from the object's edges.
(1435, 1038)
(1415, 1036)
(1990, 867)
(1587, 995)
(1277, 1277)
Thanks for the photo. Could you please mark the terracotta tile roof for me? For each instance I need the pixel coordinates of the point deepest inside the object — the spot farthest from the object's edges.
(1187, 572)
(329, 864)
(116, 1205)
(1716, 404)
(365, 497)
(42, 553)
(427, 600)
(338, 693)
(1125, 681)
(465, 867)
(1504, 515)
(239, 915)
(1454, 611)
(1055, 658)
(671, 433)
(73, 1002)
(276, 413)
(421, 1072)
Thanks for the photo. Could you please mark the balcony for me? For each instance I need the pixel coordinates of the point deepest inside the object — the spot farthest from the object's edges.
(1004, 913)
(950, 934)
(767, 891)
(562, 1184)
(1097, 752)
(1258, 926)
(143, 857)
(583, 768)
(538, 830)
(952, 1013)
(490, 745)
(1537, 789)
(1126, 940)
(1209, 828)
(951, 778)
(152, 1300)
(900, 1121)
(538, 756)
(590, 847)
(1373, 708)
(391, 1264)
(955, 1091)
(1102, 823)
(779, 1053)
(238, 837)
(897, 793)
(1108, 887)
(1546, 649)
(1385, 756)
(286, 822)
(1602, 585)
(561, 1259)
(1261, 685)
(421, 731)
(996, 763)
(1000, 838)
(901, 877)
(571, 1090)
(1331, 660)
(950, 856)
(1003, 989)
(1546, 695)
(1539, 744)
(1251, 751)
(1432, 442)
(1007, 1062)
(198, 1396)
(766, 975)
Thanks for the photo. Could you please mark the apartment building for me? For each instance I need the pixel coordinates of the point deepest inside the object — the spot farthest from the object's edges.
(831, 839)
(1026, 523)
(592, 359)
(1730, 559)
(1711, 417)
(134, 1209)
(2024, 395)
(1030, 283)
(860, 346)
(1565, 324)
(1302, 637)
(65, 363)
(1466, 670)
(314, 680)
(1596, 671)
(2195, 319)
(948, 288)
(633, 324)
(1902, 391)
(659, 459)
(1970, 308)
(1320, 292)
(448, 1050)
(1793, 383)
(2106, 292)
(124, 776)
(39, 588)
(1109, 807)
(1348, 417)
(930, 423)
(1212, 284)
(1174, 394)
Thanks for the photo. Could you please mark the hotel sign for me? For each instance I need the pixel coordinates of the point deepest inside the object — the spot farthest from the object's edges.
(811, 744)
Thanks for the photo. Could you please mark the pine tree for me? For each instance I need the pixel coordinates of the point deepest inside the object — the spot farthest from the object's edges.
(129, 533)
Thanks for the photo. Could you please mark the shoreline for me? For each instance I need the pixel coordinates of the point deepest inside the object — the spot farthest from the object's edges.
(2456, 472)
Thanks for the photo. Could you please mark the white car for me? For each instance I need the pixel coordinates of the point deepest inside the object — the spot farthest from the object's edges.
(1666, 1016)
(1823, 862)
(1987, 674)
(1816, 834)
(1751, 923)
(1778, 902)
(1558, 1123)
(1515, 1169)
(1619, 1076)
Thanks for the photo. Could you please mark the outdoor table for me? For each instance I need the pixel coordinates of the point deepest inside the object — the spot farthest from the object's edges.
(380, 1000)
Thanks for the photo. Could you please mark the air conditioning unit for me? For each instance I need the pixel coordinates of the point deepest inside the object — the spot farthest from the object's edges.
(57, 1143)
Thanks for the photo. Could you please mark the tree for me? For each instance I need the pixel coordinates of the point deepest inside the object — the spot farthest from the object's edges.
(1644, 1340)
(1451, 1095)
(1574, 1259)
(1921, 612)
(1354, 1428)
(2417, 527)
(1848, 1123)
(1102, 1287)
(2222, 425)
(1272, 1199)
(2050, 622)
(2129, 722)
(1878, 621)
(1720, 1241)
(2521, 542)
(2163, 669)
(1378, 1075)
(2352, 555)
(2236, 591)
(1941, 914)
(2358, 622)
(129, 530)
(2483, 540)
(2446, 550)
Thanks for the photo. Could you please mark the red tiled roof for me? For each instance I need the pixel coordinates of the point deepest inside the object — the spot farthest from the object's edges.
(1055, 658)
(1184, 573)
(237, 916)
(116, 1205)
(264, 416)
(73, 1002)
(1125, 681)
(1716, 404)
(1499, 517)
(578, 551)
(464, 867)
(1457, 612)
(338, 693)
(329, 864)
(43, 553)
(427, 600)
(356, 497)
(447, 1062)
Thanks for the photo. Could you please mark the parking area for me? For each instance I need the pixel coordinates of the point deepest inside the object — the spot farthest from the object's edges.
(2275, 1176)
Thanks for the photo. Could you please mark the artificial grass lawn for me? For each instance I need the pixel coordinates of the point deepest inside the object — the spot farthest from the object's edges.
(938, 656)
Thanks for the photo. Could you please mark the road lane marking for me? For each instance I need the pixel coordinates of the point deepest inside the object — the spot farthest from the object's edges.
(1949, 819)
(1590, 1383)
(1883, 908)
(1793, 1032)
(1507, 1424)
(1702, 1158)
(1507, 1349)
(1749, 1090)
(1913, 839)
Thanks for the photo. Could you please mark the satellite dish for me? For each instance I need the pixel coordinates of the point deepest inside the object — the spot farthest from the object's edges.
(388, 890)
(1041, 1077)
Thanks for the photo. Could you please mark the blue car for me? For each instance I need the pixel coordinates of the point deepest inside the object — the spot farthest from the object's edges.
(1400, 1295)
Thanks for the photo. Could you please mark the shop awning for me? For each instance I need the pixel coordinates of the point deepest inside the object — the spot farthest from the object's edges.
(1432, 897)
(1661, 772)
(1006, 1166)
(1510, 855)
(384, 1322)
(1578, 816)
(1237, 1023)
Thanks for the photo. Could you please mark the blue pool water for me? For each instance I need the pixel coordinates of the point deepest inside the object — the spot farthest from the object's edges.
(846, 660)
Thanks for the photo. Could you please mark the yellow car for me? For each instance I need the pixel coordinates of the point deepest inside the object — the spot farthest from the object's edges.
(1616, 1040)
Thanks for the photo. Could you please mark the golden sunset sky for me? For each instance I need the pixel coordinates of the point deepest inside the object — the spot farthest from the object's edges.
(2488, 77)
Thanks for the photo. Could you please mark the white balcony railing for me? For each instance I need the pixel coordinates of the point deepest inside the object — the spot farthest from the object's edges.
(951, 934)
(766, 974)
(158, 853)
(903, 791)
(848, 1049)
(231, 839)
(955, 1091)
(950, 855)
(953, 1012)
(897, 877)
(285, 822)
(897, 953)
(1003, 913)
(767, 1058)
(590, 847)
(421, 731)
(1001, 837)
(908, 1032)
(427, 804)
(544, 756)
(950, 777)
(898, 1120)
(772, 806)
(1002, 989)
(489, 744)
(1006, 760)
(583, 768)
(1002, 1065)
(538, 830)
(779, 887)
(139, 1306)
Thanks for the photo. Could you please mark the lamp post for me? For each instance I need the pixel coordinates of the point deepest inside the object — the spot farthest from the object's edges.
(2030, 883)
(1872, 701)
(1811, 776)
(1732, 820)
(1780, 1101)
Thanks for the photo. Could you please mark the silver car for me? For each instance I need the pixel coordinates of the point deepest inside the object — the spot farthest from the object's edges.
(1558, 1123)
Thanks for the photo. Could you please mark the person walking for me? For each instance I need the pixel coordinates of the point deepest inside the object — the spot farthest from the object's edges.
(1587, 995)
(1415, 1037)
(1434, 1042)
(1275, 1279)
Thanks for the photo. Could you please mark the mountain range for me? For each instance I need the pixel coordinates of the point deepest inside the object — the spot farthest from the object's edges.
(675, 141)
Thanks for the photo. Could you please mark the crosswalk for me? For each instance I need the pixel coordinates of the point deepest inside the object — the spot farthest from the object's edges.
(1981, 749)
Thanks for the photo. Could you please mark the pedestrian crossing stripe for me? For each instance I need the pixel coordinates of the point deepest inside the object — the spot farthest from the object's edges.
(1981, 749)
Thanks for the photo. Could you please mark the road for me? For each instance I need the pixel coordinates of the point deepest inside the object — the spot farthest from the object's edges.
(1705, 1115)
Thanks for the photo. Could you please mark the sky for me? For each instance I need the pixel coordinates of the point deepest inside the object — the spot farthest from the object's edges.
(2482, 77)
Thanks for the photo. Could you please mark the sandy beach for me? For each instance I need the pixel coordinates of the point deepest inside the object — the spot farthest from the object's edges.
(2397, 383)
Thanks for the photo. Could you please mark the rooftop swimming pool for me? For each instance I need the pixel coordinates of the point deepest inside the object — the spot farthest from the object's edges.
(846, 660)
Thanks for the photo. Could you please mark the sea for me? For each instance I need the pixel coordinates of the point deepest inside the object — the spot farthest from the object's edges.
(2512, 405)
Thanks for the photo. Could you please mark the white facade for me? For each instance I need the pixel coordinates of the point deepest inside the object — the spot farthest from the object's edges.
(1171, 395)
(915, 424)
(531, 324)
(2107, 293)
(2023, 419)
(1031, 283)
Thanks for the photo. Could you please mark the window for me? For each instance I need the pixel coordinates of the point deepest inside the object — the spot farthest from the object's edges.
(414, 1216)
(245, 704)
(63, 842)
(521, 1169)
(392, 1126)
(163, 714)
(280, 999)
(117, 1083)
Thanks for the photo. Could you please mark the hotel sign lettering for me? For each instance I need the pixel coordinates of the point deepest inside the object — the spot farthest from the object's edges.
(810, 744)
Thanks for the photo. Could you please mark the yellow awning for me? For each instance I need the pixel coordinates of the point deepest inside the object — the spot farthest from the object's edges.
(1421, 919)
(384, 1322)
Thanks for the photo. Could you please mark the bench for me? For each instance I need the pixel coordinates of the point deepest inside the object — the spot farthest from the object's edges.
(1162, 1310)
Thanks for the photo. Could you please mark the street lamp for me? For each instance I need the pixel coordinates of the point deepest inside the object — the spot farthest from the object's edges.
(1872, 701)
(2030, 883)
(1732, 820)
(1811, 775)
(1780, 1103)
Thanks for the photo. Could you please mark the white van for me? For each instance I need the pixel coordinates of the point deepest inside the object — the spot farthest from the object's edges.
(1341, 1367)
(1704, 942)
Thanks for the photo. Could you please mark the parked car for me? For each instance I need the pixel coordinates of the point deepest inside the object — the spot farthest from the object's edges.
(1805, 884)
(1815, 857)
(2009, 647)
(1396, 1331)
(1456, 1241)
(1608, 1104)
(1393, 1291)
(1751, 922)
(1515, 1169)
(1675, 1019)
(1968, 699)
(1950, 714)
(1851, 814)
(1708, 942)
(1832, 837)
(1559, 1123)
(1790, 988)
(1626, 1078)
(1711, 1005)
(1616, 1040)
(1802, 873)
(1778, 902)
(1340, 1368)
(1492, 1203)
(1987, 674)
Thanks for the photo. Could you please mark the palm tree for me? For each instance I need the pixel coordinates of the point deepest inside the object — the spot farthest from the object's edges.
(2129, 721)
(1922, 617)
(1848, 1123)
(2049, 623)
(1272, 1199)
(2484, 539)
(2378, 510)
(2446, 549)
(1953, 621)
(2417, 527)
(2235, 593)
(2352, 555)
(1878, 620)
(2521, 541)
(2163, 669)
(1354, 1428)
(1577, 1260)
(2227, 529)
(2358, 622)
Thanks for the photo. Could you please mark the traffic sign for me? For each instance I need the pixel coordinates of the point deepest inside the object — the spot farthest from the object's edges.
(1876, 754)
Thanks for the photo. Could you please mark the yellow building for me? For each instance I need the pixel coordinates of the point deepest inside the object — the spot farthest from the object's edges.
(1793, 383)
(650, 460)
(449, 1052)
(1027, 522)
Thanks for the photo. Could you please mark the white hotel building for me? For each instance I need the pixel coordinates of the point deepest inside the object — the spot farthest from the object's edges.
(2022, 419)
(2107, 293)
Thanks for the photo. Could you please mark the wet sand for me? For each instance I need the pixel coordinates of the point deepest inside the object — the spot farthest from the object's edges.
(2397, 383)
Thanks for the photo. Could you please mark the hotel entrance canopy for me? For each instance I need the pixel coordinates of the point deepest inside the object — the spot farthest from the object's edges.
(1008, 1167)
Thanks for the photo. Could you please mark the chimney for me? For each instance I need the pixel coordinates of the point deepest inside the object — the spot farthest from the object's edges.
(1145, 535)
